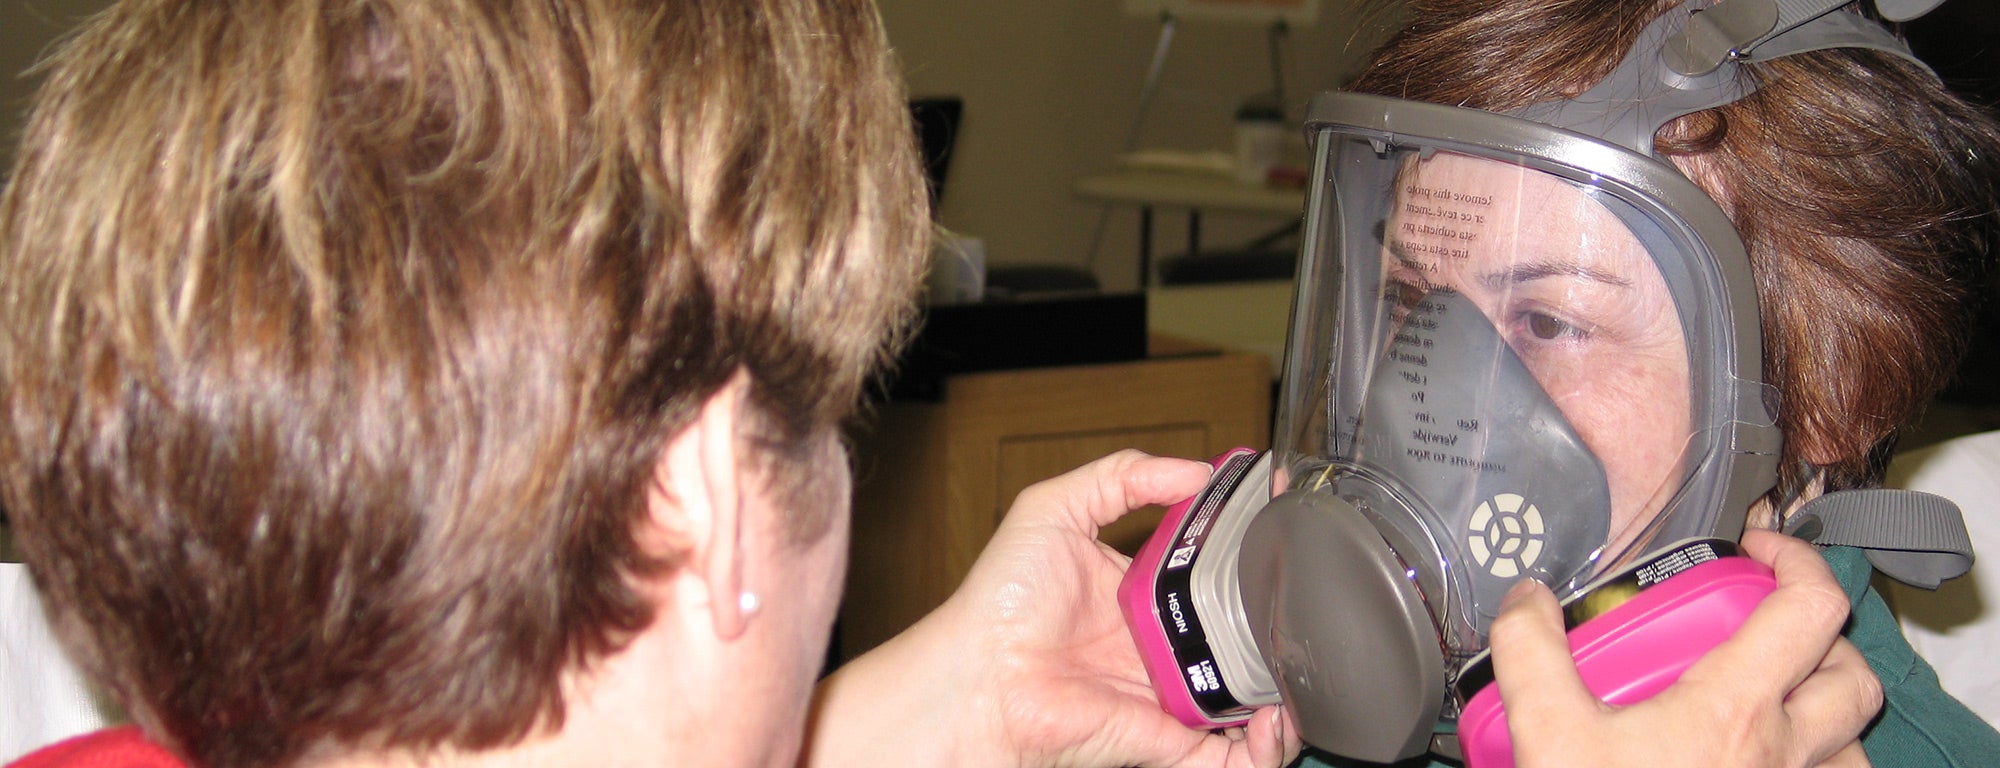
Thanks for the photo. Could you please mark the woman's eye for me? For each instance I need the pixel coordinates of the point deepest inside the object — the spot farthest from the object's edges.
(1549, 328)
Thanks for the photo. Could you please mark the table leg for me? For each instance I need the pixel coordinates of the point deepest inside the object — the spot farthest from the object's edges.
(1145, 246)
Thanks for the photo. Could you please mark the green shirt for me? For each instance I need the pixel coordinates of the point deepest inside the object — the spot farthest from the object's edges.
(1921, 725)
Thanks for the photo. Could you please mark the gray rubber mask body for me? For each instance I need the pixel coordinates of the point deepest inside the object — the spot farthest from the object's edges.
(1445, 507)
(1457, 441)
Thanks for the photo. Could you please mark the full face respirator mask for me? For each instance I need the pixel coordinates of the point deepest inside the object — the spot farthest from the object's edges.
(1522, 347)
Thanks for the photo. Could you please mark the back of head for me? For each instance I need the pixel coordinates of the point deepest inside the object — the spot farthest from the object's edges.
(341, 336)
(1863, 188)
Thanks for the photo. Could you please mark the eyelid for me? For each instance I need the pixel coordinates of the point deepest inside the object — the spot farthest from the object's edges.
(1577, 330)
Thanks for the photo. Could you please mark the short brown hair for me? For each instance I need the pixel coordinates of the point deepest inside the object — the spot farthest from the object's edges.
(1862, 187)
(341, 337)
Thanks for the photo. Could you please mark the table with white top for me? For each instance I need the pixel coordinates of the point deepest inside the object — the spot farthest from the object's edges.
(1193, 192)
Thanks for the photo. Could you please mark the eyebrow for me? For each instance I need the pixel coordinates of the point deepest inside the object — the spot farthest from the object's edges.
(1537, 270)
(1521, 273)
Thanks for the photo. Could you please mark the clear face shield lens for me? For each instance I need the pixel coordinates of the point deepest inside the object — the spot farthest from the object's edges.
(1516, 353)
(1508, 372)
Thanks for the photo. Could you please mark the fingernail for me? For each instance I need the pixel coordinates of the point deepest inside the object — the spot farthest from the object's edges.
(1518, 592)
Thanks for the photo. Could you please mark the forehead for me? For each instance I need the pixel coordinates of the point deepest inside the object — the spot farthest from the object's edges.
(1504, 193)
(1492, 205)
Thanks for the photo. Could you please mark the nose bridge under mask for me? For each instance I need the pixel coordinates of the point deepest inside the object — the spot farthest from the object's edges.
(1459, 441)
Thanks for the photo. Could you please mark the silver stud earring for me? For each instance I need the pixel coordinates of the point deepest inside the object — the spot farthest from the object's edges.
(747, 602)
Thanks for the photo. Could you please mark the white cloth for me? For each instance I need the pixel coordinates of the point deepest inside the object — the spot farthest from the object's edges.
(43, 698)
(1957, 627)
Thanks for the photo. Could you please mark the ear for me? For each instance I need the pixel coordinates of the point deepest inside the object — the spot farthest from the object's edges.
(701, 491)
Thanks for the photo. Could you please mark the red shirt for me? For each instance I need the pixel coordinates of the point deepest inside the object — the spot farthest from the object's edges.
(112, 748)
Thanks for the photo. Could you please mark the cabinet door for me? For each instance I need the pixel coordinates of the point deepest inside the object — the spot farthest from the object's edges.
(1028, 459)
(1014, 429)
(933, 480)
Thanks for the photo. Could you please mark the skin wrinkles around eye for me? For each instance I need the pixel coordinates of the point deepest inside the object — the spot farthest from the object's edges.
(1528, 322)
(1552, 322)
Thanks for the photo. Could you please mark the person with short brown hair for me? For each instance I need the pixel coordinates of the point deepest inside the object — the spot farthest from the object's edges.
(456, 381)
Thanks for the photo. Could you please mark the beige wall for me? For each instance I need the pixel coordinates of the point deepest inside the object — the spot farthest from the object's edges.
(26, 29)
(1051, 87)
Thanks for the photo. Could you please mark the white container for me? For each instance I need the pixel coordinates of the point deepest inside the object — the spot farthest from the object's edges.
(958, 269)
(1260, 141)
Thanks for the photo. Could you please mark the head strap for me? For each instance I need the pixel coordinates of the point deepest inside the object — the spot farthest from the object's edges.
(1687, 61)
(1913, 537)
(1761, 30)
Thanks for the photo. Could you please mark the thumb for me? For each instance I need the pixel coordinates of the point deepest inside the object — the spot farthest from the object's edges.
(1532, 664)
(1095, 494)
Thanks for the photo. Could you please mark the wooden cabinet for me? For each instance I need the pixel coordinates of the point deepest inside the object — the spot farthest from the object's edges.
(933, 479)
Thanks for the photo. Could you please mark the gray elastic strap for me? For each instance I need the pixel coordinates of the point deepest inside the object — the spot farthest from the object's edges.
(1913, 537)
(1795, 13)
(1832, 30)
(1900, 11)
(1762, 30)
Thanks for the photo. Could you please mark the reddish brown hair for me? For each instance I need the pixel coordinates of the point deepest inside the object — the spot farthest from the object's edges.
(341, 337)
(1863, 188)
